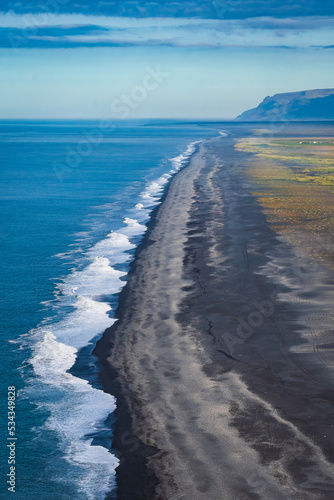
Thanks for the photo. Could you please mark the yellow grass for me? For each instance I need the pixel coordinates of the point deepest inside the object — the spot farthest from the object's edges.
(296, 184)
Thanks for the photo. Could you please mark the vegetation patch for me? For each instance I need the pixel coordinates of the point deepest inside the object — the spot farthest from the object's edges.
(295, 179)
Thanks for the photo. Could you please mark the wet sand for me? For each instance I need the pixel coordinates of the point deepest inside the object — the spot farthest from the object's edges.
(221, 359)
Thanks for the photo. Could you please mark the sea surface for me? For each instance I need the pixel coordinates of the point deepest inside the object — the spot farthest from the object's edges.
(75, 198)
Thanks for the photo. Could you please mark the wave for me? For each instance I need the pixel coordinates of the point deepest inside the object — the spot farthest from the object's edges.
(79, 413)
(78, 409)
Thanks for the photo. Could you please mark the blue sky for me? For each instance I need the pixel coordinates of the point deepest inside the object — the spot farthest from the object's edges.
(63, 59)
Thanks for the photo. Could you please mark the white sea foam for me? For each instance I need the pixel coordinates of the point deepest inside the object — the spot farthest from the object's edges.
(180, 161)
(133, 228)
(51, 359)
(154, 191)
(77, 416)
(89, 317)
(77, 410)
(96, 279)
(112, 247)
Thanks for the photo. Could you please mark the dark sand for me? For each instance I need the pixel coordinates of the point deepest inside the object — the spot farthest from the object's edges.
(222, 357)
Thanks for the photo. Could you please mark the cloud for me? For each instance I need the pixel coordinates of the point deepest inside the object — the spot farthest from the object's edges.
(216, 23)
(226, 9)
(94, 31)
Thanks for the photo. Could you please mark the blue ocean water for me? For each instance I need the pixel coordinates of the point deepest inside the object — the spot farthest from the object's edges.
(75, 198)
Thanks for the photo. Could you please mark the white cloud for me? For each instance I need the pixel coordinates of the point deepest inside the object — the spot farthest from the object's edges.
(185, 32)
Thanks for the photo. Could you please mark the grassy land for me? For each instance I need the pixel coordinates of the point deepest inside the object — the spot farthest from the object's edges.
(296, 189)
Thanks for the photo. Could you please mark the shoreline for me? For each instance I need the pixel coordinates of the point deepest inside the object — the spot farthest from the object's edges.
(134, 481)
(184, 382)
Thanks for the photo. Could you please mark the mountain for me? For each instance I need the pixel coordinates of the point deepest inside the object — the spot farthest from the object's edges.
(306, 105)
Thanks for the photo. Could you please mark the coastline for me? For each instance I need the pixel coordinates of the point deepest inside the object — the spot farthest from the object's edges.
(187, 388)
(135, 480)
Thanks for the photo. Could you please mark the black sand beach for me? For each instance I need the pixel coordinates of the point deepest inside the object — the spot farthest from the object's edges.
(222, 356)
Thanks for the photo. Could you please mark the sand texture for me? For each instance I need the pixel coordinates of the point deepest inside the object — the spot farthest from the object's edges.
(221, 359)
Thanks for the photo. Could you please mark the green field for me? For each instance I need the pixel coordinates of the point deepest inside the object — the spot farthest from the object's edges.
(307, 161)
(295, 186)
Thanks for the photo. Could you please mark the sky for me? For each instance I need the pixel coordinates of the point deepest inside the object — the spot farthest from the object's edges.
(159, 59)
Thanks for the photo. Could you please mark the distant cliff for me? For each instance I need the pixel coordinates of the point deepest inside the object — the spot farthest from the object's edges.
(306, 105)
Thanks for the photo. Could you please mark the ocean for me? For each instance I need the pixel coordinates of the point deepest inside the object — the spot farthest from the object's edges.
(75, 199)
